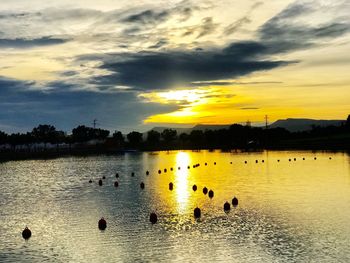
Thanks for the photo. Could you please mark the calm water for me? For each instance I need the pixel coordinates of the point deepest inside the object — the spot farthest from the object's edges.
(296, 211)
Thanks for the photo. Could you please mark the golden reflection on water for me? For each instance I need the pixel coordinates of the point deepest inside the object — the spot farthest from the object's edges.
(183, 159)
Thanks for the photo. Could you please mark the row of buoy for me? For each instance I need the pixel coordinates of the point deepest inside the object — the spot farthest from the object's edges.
(102, 223)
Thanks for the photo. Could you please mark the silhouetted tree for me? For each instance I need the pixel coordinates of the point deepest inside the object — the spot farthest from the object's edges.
(3, 137)
(84, 134)
(196, 138)
(169, 135)
(134, 138)
(348, 121)
(118, 138)
(44, 133)
(153, 137)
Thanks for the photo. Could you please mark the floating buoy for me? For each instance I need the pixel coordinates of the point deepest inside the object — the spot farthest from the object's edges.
(171, 168)
(116, 184)
(214, 163)
(142, 185)
(194, 166)
(171, 186)
(102, 224)
(227, 206)
(256, 161)
(194, 187)
(165, 170)
(147, 173)
(90, 181)
(188, 167)
(290, 160)
(295, 159)
(26, 233)
(197, 212)
(315, 158)
(278, 160)
(262, 161)
(132, 174)
(245, 161)
(117, 175)
(159, 171)
(205, 190)
(103, 177)
(153, 218)
(330, 158)
(211, 194)
(100, 182)
(230, 162)
(234, 201)
(303, 159)
(179, 168)
(205, 164)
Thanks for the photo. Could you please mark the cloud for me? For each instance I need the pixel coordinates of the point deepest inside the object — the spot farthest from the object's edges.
(162, 70)
(147, 17)
(29, 43)
(23, 105)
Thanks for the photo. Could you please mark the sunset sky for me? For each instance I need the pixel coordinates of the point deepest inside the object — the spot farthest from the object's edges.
(134, 64)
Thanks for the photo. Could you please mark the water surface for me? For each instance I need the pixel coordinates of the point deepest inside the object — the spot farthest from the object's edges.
(289, 211)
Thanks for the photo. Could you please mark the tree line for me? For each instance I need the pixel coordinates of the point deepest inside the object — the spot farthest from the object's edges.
(235, 137)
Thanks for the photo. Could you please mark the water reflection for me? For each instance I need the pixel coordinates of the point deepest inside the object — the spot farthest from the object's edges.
(296, 211)
(183, 159)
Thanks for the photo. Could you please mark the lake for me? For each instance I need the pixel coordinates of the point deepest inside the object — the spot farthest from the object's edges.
(289, 210)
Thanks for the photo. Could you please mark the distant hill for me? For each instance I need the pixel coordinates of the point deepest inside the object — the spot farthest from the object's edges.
(295, 125)
(201, 127)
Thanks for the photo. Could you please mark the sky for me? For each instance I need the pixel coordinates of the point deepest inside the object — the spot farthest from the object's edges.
(133, 65)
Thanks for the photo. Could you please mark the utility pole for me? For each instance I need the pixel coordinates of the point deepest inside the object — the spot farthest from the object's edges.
(95, 123)
(266, 121)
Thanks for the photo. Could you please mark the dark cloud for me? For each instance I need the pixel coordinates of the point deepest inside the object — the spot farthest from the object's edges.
(24, 105)
(161, 70)
(147, 17)
(159, 44)
(29, 43)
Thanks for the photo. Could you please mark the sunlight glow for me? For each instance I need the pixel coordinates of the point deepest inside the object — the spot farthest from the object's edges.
(183, 159)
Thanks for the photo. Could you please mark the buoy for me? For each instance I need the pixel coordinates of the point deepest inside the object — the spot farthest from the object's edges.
(205, 190)
(262, 161)
(117, 175)
(315, 158)
(159, 171)
(197, 212)
(153, 218)
(147, 173)
(278, 160)
(230, 162)
(26, 233)
(103, 177)
(234, 201)
(142, 185)
(194, 187)
(171, 168)
(102, 224)
(171, 186)
(100, 182)
(132, 174)
(194, 166)
(214, 163)
(227, 206)
(205, 164)
(116, 184)
(179, 168)
(165, 170)
(290, 160)
(256, 161)
(211, 194)
(303, 159)
(90, 181)
(295, 159)
(188, 167)
(330, 158)
(245, 161)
